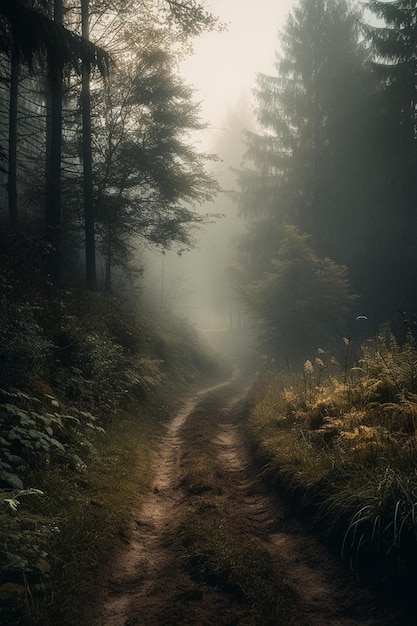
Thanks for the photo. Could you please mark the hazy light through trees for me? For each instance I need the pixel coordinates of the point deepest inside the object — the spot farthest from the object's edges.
(223, 70)
(306, 104)
(328, 116)
(224, 64)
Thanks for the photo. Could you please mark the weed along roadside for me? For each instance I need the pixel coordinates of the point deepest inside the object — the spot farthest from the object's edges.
(242, 537)
(157, 228)
(339, 442)
(171, 511)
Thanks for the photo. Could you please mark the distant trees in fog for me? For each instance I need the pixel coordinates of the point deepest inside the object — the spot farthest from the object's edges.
(335, 158)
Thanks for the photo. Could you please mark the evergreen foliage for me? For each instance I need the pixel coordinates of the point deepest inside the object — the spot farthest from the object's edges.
(303, 301)
(80, 147)
(394, 65)
(307, 111)
(335, 151)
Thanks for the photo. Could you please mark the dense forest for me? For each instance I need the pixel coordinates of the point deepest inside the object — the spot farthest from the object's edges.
(93, 138)
(328, 189)
(97, 165)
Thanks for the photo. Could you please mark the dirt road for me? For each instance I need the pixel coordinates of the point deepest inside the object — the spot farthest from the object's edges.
(148, 582)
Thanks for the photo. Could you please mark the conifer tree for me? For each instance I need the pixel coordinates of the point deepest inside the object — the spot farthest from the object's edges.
(304, 168)
(302, 303)
(307, 110)
(395, 65)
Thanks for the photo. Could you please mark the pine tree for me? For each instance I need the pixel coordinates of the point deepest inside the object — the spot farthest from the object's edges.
(395, 65)
(311, 113)
(305, 172)
(303, 302)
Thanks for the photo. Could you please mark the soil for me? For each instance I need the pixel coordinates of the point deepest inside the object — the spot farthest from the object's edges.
(147, 584)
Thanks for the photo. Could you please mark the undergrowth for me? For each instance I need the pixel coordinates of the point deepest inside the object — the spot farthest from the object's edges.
(90, 516)
(341, 441)
(85, 381)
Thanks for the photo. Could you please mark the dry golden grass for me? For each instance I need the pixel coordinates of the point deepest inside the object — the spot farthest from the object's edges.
(345, 446)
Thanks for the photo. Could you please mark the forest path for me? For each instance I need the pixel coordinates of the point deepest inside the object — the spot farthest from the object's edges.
(148, 583)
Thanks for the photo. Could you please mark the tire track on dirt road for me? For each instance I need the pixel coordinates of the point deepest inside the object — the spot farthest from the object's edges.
(148, 583)
(330, 594)
(136, 585)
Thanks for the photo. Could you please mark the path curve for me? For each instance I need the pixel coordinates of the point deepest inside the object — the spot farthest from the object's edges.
(146, 575)
(330, 594)
(134, 583)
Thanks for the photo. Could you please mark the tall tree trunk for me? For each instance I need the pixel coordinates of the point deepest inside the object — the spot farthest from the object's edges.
(107, 277)
(12, 174)
(54, 155)
(90, 244)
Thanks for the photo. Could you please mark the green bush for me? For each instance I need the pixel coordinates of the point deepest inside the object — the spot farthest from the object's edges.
(25, 350)
(303, 302)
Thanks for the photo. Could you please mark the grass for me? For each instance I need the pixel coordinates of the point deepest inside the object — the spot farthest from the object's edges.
(216, 552)
(217, 545)
(89, 514)
(342, 445)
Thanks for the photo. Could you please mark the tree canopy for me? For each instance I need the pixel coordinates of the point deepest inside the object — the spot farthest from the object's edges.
(334, 156)
(116, 143)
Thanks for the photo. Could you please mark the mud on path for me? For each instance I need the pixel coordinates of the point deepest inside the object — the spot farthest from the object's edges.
(147, 583)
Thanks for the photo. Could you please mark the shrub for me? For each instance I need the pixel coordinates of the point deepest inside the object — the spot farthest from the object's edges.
(303, 300)
(25, 351)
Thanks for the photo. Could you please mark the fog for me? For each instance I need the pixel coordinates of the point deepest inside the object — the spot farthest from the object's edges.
(196, 283)
(331, 208)
(224, 65)
(222, 69)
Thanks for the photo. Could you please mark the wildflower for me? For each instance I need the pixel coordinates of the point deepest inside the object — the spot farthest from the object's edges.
(308, 367)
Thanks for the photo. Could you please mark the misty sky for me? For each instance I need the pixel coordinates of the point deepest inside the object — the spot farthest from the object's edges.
(225, 64)
(223, 70)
